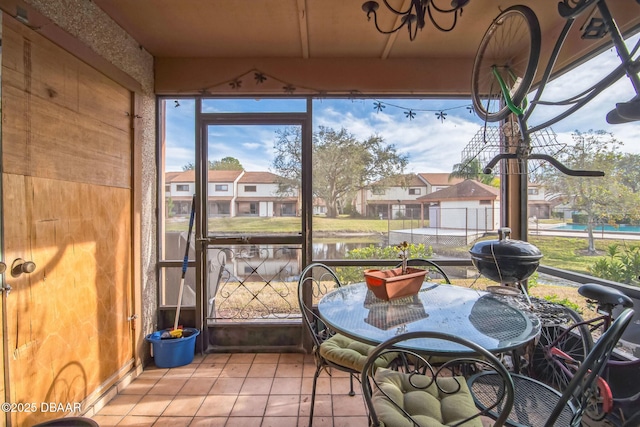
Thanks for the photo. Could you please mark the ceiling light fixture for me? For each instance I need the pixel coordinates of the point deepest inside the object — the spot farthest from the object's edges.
(414, 17)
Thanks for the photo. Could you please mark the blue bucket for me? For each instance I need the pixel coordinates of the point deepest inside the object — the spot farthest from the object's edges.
(170, 353)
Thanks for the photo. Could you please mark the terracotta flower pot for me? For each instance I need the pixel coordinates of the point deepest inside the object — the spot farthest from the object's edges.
(390, 284)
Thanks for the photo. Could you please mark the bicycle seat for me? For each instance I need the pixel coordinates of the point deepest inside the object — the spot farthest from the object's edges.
(624, 112)
(605, 295)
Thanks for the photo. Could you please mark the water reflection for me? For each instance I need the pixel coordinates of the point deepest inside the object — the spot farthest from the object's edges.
(338, 250)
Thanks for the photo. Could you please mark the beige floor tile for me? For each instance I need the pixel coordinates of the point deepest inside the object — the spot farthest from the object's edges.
(242, 358)
(216, 357)
(216, 406)
(173, 422)
(309, 370)
(283, 406)
(262, 370)
(140, 385)
(107, 420)
(250, 406)
(266, 358)
(153, 372)
(208, 422)
(289, 370)
(345, 405)
(291, 358)
(350, 421)
(244, 422)
(256, 386)
(323, 406)
(317, 422)
(197, 386)
(120, 405)
(182, 371)
(137, 421)
(323, 386)
(198, 358)
(168, 386)
(342, 386)
(206, 369)
(280, 422)
(235, 370)
(184, 406)
(227, 386)
(152, 405)
(286, 386)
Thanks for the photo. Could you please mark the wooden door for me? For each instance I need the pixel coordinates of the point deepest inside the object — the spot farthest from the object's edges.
(66, 206)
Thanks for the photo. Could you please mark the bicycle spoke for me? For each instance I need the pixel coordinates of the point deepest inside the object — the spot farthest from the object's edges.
(560, 350)
(508, 54)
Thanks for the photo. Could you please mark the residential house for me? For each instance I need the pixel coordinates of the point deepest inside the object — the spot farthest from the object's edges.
(258, 194)
(537, 202)
(397, 197)
(469, 205)
(231, 193)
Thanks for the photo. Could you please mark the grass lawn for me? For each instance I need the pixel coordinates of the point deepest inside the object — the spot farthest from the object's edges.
(568, 253)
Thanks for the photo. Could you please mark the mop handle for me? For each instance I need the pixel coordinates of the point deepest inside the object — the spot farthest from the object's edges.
(185, 261)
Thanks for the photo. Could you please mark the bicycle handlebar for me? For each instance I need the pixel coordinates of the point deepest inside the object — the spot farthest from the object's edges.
(562, 168)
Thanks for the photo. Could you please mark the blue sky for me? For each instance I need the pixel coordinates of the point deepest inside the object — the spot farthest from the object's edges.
(432, 144)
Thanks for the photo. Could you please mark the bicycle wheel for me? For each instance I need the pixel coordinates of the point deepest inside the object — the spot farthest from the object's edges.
(511, 46)
(576, 343)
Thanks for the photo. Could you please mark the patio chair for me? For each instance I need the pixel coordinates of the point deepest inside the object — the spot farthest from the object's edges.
(537, 404)
(435, 272)
(330, 350)
(421, 394)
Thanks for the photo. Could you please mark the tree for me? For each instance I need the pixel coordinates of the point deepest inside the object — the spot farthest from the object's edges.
(342, 165)
(224, 164)
(471, 169)
(607, 198)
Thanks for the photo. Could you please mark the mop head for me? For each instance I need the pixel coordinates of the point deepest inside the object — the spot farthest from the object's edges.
(170, 334)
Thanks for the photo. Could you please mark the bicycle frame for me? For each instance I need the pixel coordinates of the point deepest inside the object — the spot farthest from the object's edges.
(610, 405)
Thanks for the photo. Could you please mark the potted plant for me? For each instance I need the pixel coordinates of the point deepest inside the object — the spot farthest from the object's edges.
(396, 282)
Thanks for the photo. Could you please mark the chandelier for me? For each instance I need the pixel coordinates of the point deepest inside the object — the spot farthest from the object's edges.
(414, 17)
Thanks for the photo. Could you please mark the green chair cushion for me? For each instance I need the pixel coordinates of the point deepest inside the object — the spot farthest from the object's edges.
(428, 406)
(345, 351)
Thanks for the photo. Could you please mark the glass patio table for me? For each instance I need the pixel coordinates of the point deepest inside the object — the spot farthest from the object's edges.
(476, 315)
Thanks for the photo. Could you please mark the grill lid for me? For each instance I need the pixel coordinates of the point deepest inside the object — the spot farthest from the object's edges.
(505, 248)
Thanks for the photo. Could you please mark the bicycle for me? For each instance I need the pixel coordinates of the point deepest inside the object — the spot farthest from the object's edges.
(505, 66)
(561, 348)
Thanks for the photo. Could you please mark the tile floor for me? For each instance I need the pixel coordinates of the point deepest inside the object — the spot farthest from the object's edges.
(236, 390)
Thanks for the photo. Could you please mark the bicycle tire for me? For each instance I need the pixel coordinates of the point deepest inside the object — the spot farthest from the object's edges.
(514, 31)
(577, 344)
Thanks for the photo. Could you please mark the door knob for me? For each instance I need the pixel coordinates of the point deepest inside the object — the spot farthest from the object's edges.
(3, 267)
(20, 266)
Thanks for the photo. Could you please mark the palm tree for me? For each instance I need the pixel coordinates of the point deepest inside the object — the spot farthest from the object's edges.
(471, 169)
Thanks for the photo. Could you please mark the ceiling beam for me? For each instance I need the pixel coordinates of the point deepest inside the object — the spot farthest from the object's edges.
(304, 28)
(391, 40)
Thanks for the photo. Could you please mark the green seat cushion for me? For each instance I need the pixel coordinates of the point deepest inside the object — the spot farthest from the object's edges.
(350, 353)
(428, 406)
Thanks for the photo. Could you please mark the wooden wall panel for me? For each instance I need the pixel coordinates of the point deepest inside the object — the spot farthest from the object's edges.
(66, 198)
(67, 322)
(66, 120)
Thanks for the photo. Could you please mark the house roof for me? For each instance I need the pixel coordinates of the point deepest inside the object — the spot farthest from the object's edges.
(440, 179)
(466, 190)
(214, 176)
(259, 178)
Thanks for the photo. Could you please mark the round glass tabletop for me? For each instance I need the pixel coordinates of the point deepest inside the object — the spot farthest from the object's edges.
(476, 315)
